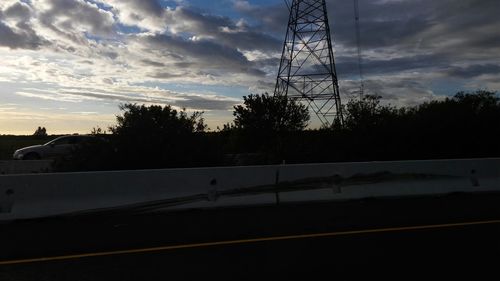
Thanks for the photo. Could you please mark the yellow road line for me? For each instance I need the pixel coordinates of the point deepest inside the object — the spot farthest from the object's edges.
(247, 241)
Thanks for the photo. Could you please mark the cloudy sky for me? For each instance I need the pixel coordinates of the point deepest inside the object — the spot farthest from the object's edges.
(68, 64)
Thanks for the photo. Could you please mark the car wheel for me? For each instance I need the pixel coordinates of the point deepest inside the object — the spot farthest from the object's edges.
(32, 156)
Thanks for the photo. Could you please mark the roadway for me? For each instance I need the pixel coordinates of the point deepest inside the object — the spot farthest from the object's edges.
(406, 238)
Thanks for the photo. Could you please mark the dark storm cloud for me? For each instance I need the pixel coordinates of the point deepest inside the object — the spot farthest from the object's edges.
(250, 40)
(114, 97)
(465, 14)
(400, 23)
(265, 63)
(203, 54)
(20, 11)
(400, 92)
(381, 24)
(21, 35)
(424, 25)
(188, 101)
(152, 63)
(183, 64)
(390, 23)
(272, 18)
(87, 62)
(205, 103)
(225, 31)
(139, 8)
(206, 50)
(474, 70)
(492, 42)
(69, 16)
(24, 39)
(165, 75)
(447, 27)
(431, 37)
(348, 66)
(109, 54)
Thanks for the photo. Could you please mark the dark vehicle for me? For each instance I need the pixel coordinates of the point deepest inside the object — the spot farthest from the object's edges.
(57, 148)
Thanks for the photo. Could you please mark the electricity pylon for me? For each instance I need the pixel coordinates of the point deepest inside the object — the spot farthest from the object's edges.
(307, 69)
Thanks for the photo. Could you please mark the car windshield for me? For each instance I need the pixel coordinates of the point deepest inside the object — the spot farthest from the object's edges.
(58, 141)
(66, 140)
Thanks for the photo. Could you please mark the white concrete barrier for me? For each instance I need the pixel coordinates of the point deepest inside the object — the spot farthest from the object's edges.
(398, 178)
(40, 195)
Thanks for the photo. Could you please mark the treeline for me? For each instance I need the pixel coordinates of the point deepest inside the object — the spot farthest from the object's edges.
(268, 130)
(464, 126)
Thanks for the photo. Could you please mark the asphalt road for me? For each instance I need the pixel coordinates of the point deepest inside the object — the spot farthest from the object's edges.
(424, 238)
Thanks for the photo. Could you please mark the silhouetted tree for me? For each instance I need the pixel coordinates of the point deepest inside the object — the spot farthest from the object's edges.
(465, 125)
(263, 123)
(368, 113)
(40, 132)
(265, 113)
(157, 120)
(97, 131)
(156, 136)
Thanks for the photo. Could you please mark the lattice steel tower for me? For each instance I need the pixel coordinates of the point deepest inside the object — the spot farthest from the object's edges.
(307, 70)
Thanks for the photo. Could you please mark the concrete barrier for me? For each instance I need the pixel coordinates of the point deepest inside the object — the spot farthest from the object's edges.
(41, 195)
(374, 179)
(398, 178)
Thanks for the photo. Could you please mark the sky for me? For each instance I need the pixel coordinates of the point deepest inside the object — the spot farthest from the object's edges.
(67, 65)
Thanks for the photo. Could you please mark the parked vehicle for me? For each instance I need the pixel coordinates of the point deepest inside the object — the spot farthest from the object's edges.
(57, 148)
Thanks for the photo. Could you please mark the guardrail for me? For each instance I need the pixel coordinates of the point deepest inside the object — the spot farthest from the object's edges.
(41, 195)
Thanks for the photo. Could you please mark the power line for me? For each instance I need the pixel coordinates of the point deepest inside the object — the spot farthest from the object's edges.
(358, 42)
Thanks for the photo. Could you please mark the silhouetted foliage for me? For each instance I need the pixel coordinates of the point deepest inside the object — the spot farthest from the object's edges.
(262, 124)
(98, 131)
(368, 113)
(270, 114)
(157, 120)
(467, 124)
(40, 132)
(267, 130)
(94, 154)
(155, 136)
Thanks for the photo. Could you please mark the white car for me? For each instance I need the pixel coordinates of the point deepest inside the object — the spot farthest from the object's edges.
(56, 148)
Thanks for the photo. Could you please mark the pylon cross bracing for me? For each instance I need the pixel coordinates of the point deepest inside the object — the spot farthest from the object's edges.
(307, 70)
